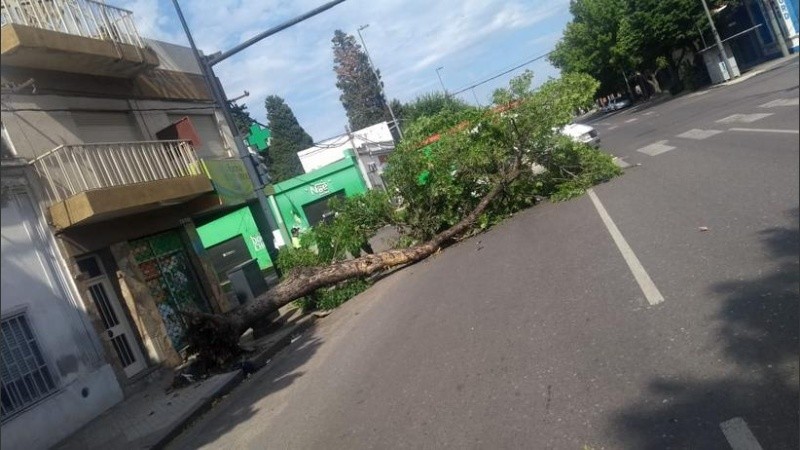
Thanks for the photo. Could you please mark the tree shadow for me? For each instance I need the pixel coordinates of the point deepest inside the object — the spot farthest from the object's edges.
(240, 405)
(758, 331)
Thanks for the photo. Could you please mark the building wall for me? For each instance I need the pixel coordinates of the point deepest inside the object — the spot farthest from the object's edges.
(291, 195)
(40, 123)
(34, 281)
(334, 149)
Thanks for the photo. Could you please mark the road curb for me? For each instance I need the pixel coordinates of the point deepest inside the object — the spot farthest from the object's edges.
(198, 411)
(283, 338)
(258, 361)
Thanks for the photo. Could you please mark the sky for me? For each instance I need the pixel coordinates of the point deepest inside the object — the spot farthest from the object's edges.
(407, 39)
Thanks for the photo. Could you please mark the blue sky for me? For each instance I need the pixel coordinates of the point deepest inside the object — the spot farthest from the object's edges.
(407, 39)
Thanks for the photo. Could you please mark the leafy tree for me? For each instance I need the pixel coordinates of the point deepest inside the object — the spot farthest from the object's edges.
(362, 95)
(241, 117)
(427, 105)
(606, 37)
(288, 138)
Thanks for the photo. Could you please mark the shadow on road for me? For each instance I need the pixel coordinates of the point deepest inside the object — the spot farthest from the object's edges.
(240, 405)
(758, 328)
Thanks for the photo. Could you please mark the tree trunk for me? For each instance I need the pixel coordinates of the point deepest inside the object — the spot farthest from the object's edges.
(215, 337)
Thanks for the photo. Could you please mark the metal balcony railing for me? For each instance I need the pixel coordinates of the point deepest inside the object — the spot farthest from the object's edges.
(68, 170)
(87, 18)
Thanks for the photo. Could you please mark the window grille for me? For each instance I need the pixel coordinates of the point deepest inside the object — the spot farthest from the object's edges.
(25, 376)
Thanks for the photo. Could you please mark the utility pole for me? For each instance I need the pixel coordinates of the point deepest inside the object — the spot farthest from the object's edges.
(478, 102)
(776, 29)
(722, 52)
(378, 79)
(440, 80)
(218, 94)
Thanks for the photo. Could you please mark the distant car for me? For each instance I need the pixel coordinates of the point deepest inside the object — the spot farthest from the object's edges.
(582, 133)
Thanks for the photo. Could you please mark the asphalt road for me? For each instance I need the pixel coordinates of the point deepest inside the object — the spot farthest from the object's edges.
(537, 334)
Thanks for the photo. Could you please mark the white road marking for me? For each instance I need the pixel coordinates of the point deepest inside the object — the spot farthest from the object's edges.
(649, 113)
(765, 130)
(613, 127)
(781, 102)
(699, 134)
(739, 435)
(651, 292)
(631, 120)
(745, 118)
(656, 148)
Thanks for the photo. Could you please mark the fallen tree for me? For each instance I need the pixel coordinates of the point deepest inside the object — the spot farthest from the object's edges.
(473, 177)
(215, 338)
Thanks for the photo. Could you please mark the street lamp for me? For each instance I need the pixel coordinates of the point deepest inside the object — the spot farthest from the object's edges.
(440, 79)
(722, 51)
(378, 79)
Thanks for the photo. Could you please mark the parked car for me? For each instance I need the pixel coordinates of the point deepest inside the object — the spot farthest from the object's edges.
(582, 133)
(618, 104)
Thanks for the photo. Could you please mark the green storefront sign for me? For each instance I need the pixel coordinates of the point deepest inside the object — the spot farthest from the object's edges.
(238, 224)
(302, 201)
(230, 180)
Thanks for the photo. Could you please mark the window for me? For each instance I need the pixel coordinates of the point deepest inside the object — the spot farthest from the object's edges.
(25, 377)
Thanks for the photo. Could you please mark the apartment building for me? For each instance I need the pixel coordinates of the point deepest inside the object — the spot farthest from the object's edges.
(113, 155)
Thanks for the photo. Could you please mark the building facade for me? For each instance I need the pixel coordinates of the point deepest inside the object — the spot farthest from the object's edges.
(113, 156)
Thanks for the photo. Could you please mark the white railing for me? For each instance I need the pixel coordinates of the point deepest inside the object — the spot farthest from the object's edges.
(87, 18)
(71, 169)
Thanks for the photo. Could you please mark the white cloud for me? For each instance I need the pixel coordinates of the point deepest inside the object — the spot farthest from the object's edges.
(407, 39)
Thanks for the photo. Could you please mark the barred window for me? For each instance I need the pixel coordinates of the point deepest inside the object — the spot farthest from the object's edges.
(25, 376)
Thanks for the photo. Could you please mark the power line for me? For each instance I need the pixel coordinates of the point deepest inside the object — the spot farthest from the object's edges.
(502, 73)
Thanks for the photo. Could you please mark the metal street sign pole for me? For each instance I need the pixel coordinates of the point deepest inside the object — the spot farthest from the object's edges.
(721, 49)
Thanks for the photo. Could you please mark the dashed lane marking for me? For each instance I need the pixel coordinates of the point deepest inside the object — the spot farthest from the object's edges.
(765, 130)
(649, 289)
(698, 134)
(781, 102)
(744, 118)
(739, 435)
(631, 120)
(656, 148)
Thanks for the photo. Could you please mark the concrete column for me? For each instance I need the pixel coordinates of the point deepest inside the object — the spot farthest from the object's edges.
(142, 307)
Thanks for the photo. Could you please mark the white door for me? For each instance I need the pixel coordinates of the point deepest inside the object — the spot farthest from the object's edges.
(117, 328)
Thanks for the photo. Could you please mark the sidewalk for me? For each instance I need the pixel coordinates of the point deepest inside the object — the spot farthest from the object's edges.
(150, 418)
(758, 70)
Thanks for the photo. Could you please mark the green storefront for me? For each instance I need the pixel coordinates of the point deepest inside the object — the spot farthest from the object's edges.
(236, 234)
(302, 201)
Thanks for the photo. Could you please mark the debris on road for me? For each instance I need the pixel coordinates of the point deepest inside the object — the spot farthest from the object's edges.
(702, 228)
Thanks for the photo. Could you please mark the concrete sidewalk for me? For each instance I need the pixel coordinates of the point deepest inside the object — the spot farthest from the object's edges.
(152, 417)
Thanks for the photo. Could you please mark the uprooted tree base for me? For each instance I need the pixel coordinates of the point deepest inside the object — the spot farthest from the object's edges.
(215, 338)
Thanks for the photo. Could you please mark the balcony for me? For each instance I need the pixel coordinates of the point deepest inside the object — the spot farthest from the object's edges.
(76, 36)
(88, 183)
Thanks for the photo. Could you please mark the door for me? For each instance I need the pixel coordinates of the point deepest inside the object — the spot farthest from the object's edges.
(117, 328)
(171, 281)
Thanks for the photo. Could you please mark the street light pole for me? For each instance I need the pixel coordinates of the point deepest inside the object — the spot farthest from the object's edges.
(378, 79)
(440, 80)
(218, 94)
(722, 51)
